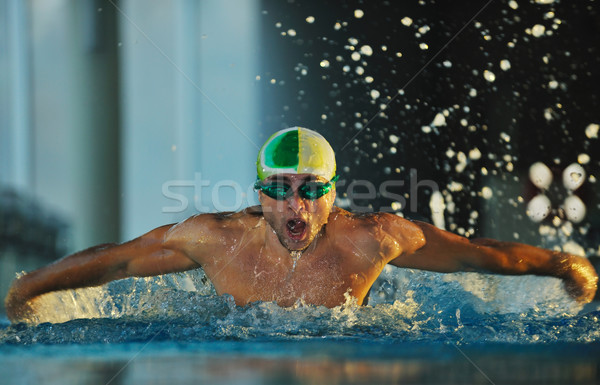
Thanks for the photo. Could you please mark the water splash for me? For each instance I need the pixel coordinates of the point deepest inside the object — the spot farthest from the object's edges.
(405, 306)
(166, 295)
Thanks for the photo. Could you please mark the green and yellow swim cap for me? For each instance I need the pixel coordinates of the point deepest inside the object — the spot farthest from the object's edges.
(296, 150)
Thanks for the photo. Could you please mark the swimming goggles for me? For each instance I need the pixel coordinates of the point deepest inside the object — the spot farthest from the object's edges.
(309, 190)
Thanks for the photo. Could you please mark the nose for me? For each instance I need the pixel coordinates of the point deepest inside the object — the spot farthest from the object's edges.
(296, 203)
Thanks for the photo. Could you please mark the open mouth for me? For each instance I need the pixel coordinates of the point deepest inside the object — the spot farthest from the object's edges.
(296, 228)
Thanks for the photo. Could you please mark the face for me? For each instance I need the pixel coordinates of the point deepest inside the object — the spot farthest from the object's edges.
(296, 220)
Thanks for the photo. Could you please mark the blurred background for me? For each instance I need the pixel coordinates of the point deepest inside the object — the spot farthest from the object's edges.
(120, 116)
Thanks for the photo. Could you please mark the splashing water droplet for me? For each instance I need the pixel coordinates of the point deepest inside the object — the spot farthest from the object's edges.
(538, 30)
(475, 154)
(489, 76)
(437, 206)
(538, 208)
(486, 192)
(574, 208)
(583, 159)
(591, 131)
(366, 50)
(573, 176)
(540, 175)
(439, 120)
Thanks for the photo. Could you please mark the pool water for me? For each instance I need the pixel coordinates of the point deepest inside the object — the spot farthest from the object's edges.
(419, 327)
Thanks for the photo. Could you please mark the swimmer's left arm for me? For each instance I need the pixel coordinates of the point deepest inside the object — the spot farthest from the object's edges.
(443, 251)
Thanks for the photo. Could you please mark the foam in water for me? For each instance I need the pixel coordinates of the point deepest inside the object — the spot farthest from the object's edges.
(405, 305)
(130, 297)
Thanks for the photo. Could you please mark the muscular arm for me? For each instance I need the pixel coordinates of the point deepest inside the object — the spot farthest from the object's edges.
(147, 255)
(446, 252)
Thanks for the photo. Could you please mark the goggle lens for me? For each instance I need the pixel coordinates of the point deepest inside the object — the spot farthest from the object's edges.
(309, 190)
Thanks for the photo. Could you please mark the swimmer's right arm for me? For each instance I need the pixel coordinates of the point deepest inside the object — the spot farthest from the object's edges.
(151, 254)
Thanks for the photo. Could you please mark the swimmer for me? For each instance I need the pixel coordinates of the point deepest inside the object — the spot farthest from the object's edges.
(296, 245)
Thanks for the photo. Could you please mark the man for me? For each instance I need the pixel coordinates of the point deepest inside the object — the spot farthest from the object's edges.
(296, 245)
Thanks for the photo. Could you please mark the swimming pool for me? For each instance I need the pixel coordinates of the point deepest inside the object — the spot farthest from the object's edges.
(419, 327)
(517, 71)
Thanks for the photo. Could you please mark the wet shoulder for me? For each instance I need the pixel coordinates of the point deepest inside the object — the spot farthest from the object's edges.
(218, 227)
(232, 220)
(407, 233)
(388, 232)
(344, 226)
(360, 222)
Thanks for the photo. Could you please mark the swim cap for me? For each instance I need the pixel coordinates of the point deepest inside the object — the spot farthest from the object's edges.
(296, 150)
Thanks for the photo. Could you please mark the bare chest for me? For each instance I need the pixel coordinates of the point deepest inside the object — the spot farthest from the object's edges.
(320, 279)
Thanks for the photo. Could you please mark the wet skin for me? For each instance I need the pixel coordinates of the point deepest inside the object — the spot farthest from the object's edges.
(248, 254)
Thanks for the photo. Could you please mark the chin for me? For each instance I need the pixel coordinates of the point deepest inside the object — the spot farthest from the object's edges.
(295, 245)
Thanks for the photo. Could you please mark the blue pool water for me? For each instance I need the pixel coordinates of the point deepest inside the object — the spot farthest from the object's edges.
(419, 327)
